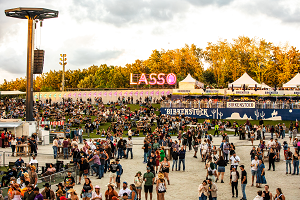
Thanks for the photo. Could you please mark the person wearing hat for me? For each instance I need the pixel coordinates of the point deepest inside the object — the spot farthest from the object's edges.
(149, 181)
(138, 181)
(124, 190)
(110, 192)
(243, 181)
(69, 182)
(38, 195)
(33, 175)
(97, 195)
(47, 192)
(29, 194)
(73, 194)
(33, 145)
(61, 187)
(119, 173)
(120, 146)
(161, 186)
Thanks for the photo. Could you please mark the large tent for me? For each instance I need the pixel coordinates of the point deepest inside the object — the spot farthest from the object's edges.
(189, 83)
(244, 79)
(294, 82)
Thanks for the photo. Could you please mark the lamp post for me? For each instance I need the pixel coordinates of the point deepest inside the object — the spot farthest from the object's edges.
(31, 14)
(63, 63)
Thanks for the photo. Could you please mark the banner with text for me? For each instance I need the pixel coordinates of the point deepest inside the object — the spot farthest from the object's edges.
(235, 113)
(240, 104)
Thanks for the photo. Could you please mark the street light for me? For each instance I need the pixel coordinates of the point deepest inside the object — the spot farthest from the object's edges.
(31, 14)
(63, 63)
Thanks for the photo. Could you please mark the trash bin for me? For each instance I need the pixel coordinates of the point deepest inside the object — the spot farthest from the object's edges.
(51, 137)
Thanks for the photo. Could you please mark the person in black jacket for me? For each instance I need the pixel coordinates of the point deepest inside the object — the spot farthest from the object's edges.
(9, 174)
(175, 158)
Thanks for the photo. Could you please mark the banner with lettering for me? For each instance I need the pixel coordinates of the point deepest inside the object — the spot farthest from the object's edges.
(235, 113)
(240, 104)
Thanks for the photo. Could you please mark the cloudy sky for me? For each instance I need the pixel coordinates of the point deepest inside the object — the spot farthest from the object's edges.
(117, 32)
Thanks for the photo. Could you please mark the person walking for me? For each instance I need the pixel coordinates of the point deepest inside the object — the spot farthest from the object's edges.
(243, 181)
(203, 190)
(165, 168)
(234, 178)
(254, 164)
(13, 143)
(216, 130)
(296, 162)
(87, 189)
(181, 158)
(260, 174)
(55, 147)
(80, 132)
(149, 181)
(212, 190)
(97, 195)
(221, 168)
(138, 181)
(267, 195)
(272, 157)
(279, 195)
(129, 146)
(288, 160)
(175, 158)
(161, 187)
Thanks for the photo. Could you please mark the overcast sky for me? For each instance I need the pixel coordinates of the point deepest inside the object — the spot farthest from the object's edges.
(116, 32)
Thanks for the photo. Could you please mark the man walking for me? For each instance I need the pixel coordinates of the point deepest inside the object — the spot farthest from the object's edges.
(243, 181)
(181, 154)
(97, 164)
(234, 178)
(254, 165)
(149, 181)
(129, 147)
(212, 190)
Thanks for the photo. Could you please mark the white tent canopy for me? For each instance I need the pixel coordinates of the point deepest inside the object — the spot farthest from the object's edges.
(17, 92)
(264, 86)
(188, 79)
(189, 83)
(294, 82)
(244, 79)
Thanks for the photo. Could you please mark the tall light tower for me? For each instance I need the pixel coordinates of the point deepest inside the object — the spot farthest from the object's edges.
(31, 14)
(63, 63)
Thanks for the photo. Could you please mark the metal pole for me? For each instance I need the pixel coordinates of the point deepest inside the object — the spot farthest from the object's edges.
(63, 74)
(30, 59)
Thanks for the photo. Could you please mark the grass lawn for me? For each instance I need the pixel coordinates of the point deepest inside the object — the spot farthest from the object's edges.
(134, 107)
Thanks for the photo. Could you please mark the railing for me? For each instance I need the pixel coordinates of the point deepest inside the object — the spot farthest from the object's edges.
(223, 104)
(52, 179)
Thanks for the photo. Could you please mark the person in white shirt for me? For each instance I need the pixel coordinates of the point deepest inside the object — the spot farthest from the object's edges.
(254, 165)
(124, 190)
(129, 133)
(234, 160)
(80, 131)
(93, 146)
(271, 143)
(33, 160)
(129, 146)
(55, 147)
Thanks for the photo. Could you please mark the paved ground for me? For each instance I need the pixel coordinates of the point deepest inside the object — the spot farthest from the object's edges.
(184, 185)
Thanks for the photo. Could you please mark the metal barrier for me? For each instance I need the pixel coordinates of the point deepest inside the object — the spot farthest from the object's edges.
(52, 179)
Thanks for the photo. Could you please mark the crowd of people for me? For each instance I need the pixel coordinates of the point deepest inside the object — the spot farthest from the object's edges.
(102, 157)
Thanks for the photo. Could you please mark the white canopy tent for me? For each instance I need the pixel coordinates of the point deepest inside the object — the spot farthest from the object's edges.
(244, 79)
(17, 92)
(294, 82)
(189, 83)
(264, 86)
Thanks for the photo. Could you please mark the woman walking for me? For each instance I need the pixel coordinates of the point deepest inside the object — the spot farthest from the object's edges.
(203, 190)
(221, 169)
(165, 167)
(73, 194)
(87, 189)
(157, 158)
(296, 162)
(260, 174)
(161, 187)
(138, 181)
